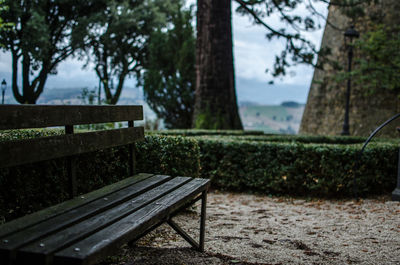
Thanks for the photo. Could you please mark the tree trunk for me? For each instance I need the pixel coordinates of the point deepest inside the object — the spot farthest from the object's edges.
(111, 98)
(30, 90)
(14, 84)
(215, 96)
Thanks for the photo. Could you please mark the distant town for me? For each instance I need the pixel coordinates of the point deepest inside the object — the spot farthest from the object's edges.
(284, 118)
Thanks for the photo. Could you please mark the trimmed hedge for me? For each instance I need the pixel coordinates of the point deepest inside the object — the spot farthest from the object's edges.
(293, 168)
(200, 132)
(270, 164)
(28, 188)
(260, 136)
(306, 139)
(176, 156)
(316, 139)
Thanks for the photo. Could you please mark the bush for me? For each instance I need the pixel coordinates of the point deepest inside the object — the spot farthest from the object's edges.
(306, 139)
(169, 155)
(294, 168)
(28, 188)
(200, 132)
(269, 164)
(260, 136)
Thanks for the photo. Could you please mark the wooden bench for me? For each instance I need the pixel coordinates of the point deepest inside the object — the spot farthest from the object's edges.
(89, 227)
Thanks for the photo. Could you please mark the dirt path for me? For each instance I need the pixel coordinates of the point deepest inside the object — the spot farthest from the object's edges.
(249, 229)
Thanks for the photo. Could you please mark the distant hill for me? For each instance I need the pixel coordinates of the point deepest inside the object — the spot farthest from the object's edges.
(61, 96)
(68, 96)
(291, 104)
(284, 118)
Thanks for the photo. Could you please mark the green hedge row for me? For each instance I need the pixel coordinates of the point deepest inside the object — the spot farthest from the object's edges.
(316, 139)
(293, 168)
(270, 164)
(176, 156)
(28, 188)
(199, 132)
(305, 139)
(260, 136)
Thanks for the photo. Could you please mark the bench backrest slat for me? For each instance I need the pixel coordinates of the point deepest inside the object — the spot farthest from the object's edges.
(40, 116)
(39, 149)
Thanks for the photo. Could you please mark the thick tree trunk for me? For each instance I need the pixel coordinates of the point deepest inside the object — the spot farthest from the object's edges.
(215, 100)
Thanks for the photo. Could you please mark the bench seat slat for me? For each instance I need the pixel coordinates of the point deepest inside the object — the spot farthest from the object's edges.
(99, 245)
(45, 148)
(73, 216)
(40, 116)
(37, 254)
(37, 217)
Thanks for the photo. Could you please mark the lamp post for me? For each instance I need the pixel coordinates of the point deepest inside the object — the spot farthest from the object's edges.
(3, 90)
(99, 93)
(396, 192)
(350, 33)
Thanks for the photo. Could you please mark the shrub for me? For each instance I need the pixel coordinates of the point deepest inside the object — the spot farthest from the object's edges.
(306, 139)
(200, 132)
(269, 164)
(294, 168)
(169, 155)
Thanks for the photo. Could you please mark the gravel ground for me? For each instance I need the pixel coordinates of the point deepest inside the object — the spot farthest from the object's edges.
(250, 229)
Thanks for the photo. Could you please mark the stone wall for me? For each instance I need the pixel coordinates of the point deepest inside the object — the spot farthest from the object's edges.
(324, 112)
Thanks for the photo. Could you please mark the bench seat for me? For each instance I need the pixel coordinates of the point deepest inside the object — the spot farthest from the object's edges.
(89, 227)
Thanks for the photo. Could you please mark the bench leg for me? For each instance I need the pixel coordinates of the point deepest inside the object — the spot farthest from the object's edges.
(203, 219)
(199, 246)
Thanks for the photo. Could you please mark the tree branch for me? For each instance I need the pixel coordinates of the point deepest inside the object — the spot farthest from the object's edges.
(274, 31)
(341, 4)
(315, 12)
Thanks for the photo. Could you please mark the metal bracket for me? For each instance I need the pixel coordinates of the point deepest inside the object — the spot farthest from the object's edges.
(396, 192)
(198, 246)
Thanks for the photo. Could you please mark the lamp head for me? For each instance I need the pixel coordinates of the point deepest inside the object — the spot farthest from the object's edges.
(3, 85)
(351, 33)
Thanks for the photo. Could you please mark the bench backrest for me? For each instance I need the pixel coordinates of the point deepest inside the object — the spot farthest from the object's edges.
(13, 153)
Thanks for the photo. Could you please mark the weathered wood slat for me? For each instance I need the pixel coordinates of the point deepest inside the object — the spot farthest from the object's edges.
(39, 252)
(12, 242)
(37, 217)
(40, 116)
(16, 152)
(100, 244)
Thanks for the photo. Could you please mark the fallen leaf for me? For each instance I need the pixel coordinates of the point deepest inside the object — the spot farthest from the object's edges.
(269, 241)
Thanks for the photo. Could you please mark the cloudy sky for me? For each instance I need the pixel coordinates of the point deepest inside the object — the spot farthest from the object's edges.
(253, 54)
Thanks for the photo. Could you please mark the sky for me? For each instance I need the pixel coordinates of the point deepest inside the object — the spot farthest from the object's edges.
(253, 54)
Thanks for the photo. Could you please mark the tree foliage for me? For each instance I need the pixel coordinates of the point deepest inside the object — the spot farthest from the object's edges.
(378, 64)
(41, 39)
(3, 25)
(297, 49)
(116, 41)
(169, 77)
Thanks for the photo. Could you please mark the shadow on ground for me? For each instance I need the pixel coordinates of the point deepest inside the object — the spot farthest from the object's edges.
(171, 256)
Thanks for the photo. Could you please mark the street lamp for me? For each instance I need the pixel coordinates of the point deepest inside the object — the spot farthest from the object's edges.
(350, 33)
(3, 90)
